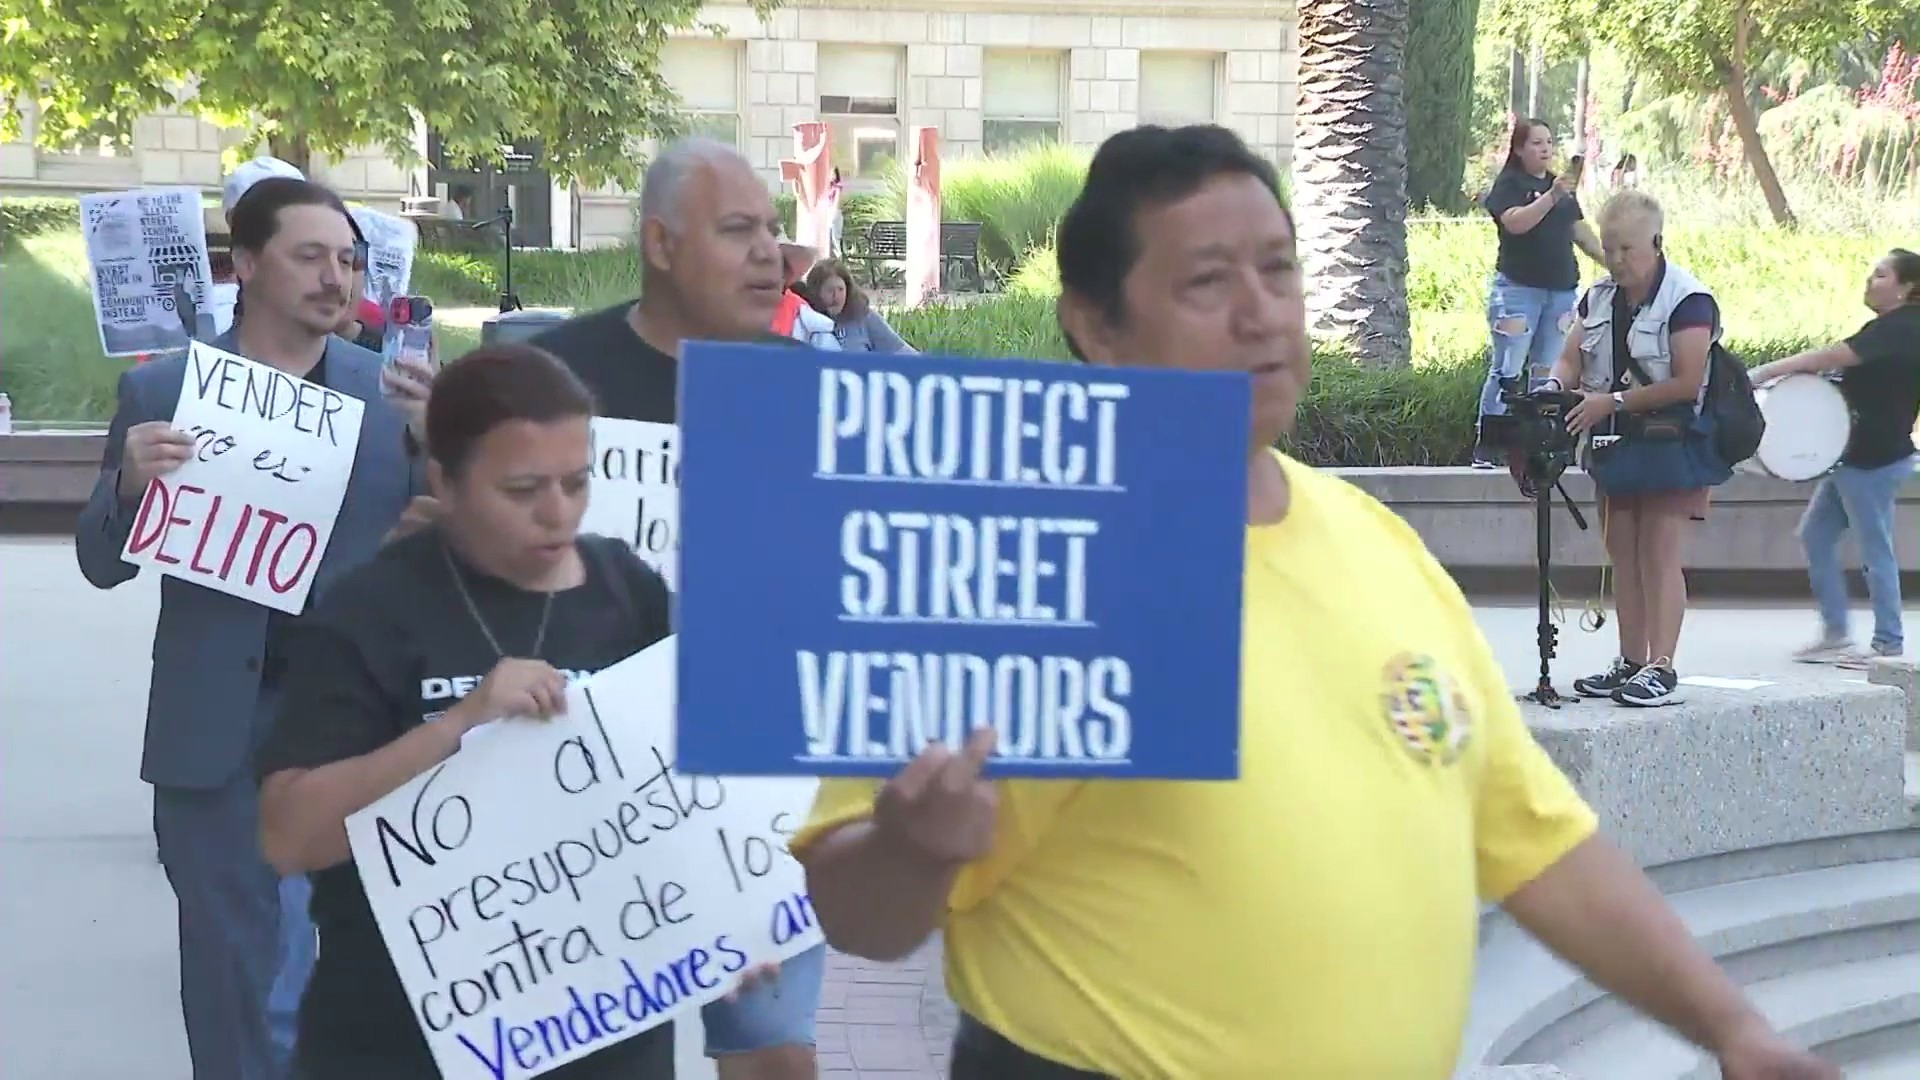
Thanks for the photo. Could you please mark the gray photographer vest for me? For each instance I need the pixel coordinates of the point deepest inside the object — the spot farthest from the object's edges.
(1648, 338)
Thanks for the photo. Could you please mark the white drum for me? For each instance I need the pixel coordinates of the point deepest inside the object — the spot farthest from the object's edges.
(1808, 425)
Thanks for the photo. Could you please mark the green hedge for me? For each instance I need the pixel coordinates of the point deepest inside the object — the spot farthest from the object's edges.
(21, 218)
(1352, 416)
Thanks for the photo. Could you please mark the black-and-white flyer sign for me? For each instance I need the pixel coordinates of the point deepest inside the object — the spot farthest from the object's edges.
(390, 245)
(147, 251)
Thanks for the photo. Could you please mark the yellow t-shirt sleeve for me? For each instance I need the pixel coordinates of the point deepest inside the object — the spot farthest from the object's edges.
(1026, 809)
(1527, 814)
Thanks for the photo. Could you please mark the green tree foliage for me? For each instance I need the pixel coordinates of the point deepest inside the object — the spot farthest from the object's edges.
(579, 76)
(1439, 98)
(1709, 46)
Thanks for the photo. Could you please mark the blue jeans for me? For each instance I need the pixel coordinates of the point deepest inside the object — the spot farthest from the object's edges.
(1861, 500)
(298, 947)
(776, 1013)
(1529, 326)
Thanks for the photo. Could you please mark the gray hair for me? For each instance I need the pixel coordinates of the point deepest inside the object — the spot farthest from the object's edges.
(1633, 204)
(665, 181)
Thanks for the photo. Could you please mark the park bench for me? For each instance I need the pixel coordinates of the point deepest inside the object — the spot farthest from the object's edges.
(885, 247)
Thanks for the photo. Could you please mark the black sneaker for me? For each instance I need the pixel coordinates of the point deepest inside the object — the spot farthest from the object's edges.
(1604, 684)
(1652, 686)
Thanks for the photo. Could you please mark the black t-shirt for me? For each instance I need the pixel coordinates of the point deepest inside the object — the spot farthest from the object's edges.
(392, 646)
(1884, 388)
(1541, 257)
(630, 379)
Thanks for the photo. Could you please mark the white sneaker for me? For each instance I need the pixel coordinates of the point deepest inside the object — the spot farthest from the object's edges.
(1861, 659)
(1828, 650)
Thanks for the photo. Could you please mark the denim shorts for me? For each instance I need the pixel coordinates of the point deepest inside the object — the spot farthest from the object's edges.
(775, 1013)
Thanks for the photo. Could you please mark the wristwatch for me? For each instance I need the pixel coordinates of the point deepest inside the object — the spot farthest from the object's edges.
(1619, 401)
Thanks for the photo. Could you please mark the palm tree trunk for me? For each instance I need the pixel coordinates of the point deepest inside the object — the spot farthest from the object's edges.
(1350, 174)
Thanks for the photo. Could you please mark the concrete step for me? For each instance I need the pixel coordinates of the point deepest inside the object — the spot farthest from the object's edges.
(1530, 1006)
(1811, 1007)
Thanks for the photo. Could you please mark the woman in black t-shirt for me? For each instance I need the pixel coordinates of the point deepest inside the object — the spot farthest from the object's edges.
(1880, 378)
(1537, 218)
(483, 615)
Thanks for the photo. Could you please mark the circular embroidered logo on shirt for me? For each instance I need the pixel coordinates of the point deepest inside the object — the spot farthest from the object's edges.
(1426, 709)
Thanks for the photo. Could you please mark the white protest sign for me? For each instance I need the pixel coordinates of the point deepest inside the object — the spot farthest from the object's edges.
(555, 887)
(636, 490)
(251, 511)
(390, 245)
(146, 253)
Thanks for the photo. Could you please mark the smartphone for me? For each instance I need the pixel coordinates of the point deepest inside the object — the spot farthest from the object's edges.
(409, 330)
(1575, 165)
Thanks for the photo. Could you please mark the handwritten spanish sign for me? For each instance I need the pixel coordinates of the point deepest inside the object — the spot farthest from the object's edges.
(147, 254)
(636, 490)
(251, 511)
(557, 887)
(880, 552)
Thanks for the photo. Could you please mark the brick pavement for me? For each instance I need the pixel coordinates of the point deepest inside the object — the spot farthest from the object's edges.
(885, 1021)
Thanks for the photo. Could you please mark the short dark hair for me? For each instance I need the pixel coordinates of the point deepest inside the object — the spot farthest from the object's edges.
(1906, 271)
(1138, 169)
(256, 217)
(495, 385)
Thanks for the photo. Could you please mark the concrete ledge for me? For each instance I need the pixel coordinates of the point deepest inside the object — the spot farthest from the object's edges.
(49, 467)
(1473, 520)
(1730, 770)
(1777, 822)
(1903, 676)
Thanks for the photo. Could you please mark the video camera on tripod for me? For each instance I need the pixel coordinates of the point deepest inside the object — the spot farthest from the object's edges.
(1539, 450)
(1540, 447)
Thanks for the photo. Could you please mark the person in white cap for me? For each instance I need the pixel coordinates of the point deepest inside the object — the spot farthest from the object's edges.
(226, 290)
(248, 173)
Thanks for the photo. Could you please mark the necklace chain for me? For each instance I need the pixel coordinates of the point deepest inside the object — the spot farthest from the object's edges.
(473, 609)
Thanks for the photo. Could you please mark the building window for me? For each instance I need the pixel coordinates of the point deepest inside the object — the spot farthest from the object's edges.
(706, 75)
(1021, 98)
(860, 103)
(1178, 88)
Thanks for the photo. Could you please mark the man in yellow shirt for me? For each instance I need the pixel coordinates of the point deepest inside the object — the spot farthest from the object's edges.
(1314, 918)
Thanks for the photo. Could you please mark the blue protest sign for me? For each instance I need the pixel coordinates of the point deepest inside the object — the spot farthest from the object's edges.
(878, 551)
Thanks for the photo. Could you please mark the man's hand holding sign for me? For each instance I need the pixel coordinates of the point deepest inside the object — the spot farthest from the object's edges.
(242, 489)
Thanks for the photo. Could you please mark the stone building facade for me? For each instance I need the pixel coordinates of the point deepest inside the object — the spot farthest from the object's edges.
(990, 74)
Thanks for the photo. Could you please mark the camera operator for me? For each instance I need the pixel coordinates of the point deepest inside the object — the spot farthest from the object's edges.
(1639, 358)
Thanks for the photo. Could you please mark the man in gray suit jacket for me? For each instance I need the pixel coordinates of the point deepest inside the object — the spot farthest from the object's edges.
(216, 668)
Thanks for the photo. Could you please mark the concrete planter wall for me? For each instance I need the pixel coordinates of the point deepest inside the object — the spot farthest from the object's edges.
(1474, 521)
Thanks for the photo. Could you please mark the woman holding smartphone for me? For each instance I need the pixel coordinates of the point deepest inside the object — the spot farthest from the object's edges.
(1537, 220)
(500, 593)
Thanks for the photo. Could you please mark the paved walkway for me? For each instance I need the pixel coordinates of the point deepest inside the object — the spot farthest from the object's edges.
(87, 965)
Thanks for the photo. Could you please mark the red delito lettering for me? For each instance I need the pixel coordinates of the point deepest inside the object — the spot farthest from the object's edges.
(233, 546)
(160, 553)
(157, 503)
(206, 534)
(273, 521)
(313, 543)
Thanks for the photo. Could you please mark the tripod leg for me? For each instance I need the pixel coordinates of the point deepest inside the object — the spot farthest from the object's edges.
(1543, 556)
